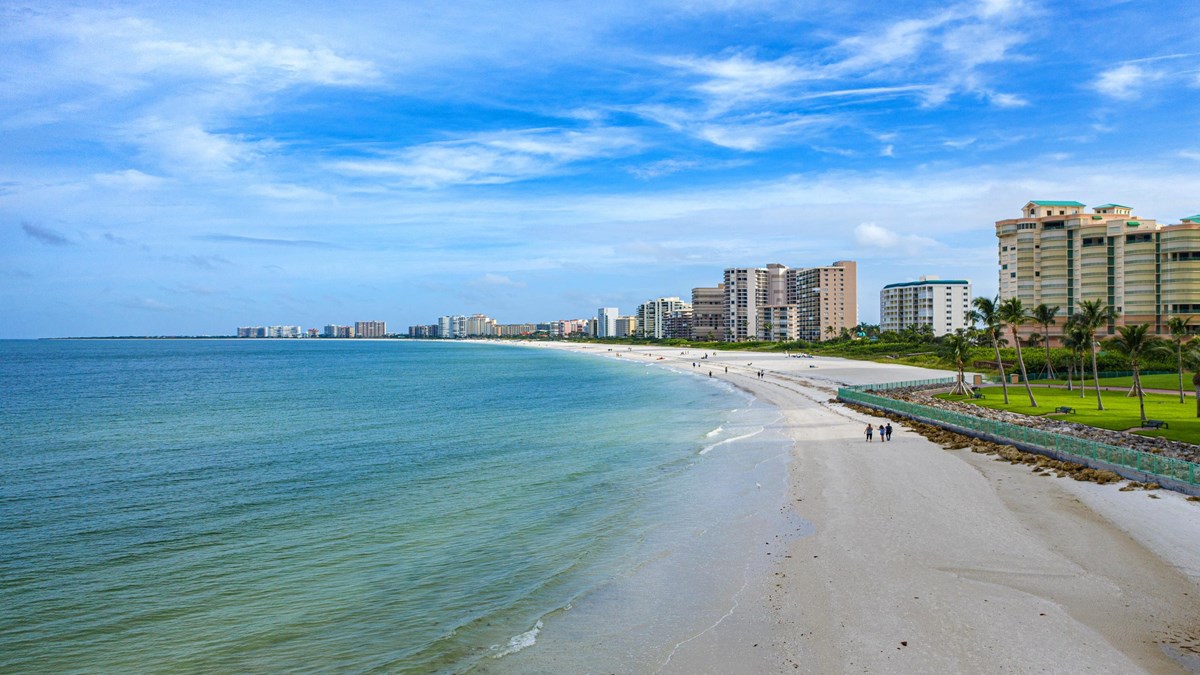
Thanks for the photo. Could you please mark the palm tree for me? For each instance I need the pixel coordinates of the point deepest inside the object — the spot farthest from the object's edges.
(956, 348)
(1179, 330)
(984, 313)
(1075, 339)
(1044, 315)
(1092, 314)
(1134, 342)
(1191, 357)
(1013, 313)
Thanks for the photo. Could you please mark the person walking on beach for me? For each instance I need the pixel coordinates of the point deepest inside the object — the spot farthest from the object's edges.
(888, 429)
(881, 434)
(870, 430)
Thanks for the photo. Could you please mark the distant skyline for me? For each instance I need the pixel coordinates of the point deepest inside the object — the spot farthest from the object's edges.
(185, 168)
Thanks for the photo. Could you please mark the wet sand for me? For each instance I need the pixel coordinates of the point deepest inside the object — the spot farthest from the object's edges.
(921, 559)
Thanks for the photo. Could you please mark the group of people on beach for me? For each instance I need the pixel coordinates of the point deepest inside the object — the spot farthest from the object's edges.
(885, 432)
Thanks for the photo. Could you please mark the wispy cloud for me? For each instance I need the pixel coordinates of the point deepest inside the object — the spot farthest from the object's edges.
(205, 262)
(128, 179)
(740, 77)
(490, 279)
(45, 235)
(878, 241)
(276, 65)
(1124, 81)
(264, 241)
(495, 158)
(184, 145)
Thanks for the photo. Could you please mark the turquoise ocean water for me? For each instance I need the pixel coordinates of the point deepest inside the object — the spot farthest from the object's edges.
(366, 506)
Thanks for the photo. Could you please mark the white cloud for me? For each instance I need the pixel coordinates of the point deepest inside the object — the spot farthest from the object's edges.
(881, 240)
(759, 132)
(899, 42)
(185, 145)
(490, 279)
(494, 158)
(740, 77)
(1124, 81)
(1008, 100)
(129, 179)
(261, 61)
(284, 191)
(888, 151)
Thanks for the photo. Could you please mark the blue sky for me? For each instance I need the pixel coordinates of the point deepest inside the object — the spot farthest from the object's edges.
(186, 168)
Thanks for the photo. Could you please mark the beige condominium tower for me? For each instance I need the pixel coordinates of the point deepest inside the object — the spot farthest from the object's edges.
(781, 303)
(1058, 253)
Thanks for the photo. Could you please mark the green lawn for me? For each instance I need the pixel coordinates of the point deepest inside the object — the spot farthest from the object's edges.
(1120, 412)
(1169, 381)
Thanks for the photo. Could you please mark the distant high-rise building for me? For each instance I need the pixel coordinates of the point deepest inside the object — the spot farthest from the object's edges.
(423, 331)
(943, 305)
(708, 313)
(652, 315)
(819, 298)
(515, 329)
(1058, 254)
(627, 326)
(826, 299)
(370, 329)
(678, 324)
(606, 322)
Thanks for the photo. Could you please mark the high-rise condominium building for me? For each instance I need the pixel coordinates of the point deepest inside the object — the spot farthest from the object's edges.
(370, 329)
(805, 303)
(708, 313)
(943, 305)
(606, 322)
(652, 316)
(1058, 254)
(627, 326)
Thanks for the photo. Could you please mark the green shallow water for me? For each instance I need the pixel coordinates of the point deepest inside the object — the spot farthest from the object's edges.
(341, 506)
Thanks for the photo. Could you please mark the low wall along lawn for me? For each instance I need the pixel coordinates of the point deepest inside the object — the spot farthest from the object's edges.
(1132, 464)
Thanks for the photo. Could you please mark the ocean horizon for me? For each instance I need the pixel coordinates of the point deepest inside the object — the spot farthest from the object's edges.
(383, 506)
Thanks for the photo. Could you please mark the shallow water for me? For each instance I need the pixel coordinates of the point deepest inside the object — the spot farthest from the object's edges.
(390, 506)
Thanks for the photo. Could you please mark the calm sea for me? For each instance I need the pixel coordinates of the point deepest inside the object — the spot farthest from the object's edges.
(366, 506)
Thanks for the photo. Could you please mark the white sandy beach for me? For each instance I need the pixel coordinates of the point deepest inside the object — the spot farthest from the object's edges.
(928, 560)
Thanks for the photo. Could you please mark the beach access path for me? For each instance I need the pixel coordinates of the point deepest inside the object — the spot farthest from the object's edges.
(922, 559)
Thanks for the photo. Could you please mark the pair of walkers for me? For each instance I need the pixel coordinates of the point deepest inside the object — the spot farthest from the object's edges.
(885, 432)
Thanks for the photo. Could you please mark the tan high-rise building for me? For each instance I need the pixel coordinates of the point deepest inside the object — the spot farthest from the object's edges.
(802, 304)
(370, 329)
(827, 300)
(1059, 254)
(627, 326)
(708, 313)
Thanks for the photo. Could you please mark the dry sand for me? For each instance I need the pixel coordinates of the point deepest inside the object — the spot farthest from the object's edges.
(924, 560)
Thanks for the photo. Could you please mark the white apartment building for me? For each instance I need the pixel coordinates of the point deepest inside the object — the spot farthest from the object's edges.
(606, 322)
(652, 316)
(943, 305)
(747, 291)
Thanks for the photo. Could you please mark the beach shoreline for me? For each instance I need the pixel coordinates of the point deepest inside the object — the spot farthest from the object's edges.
(922, 559)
